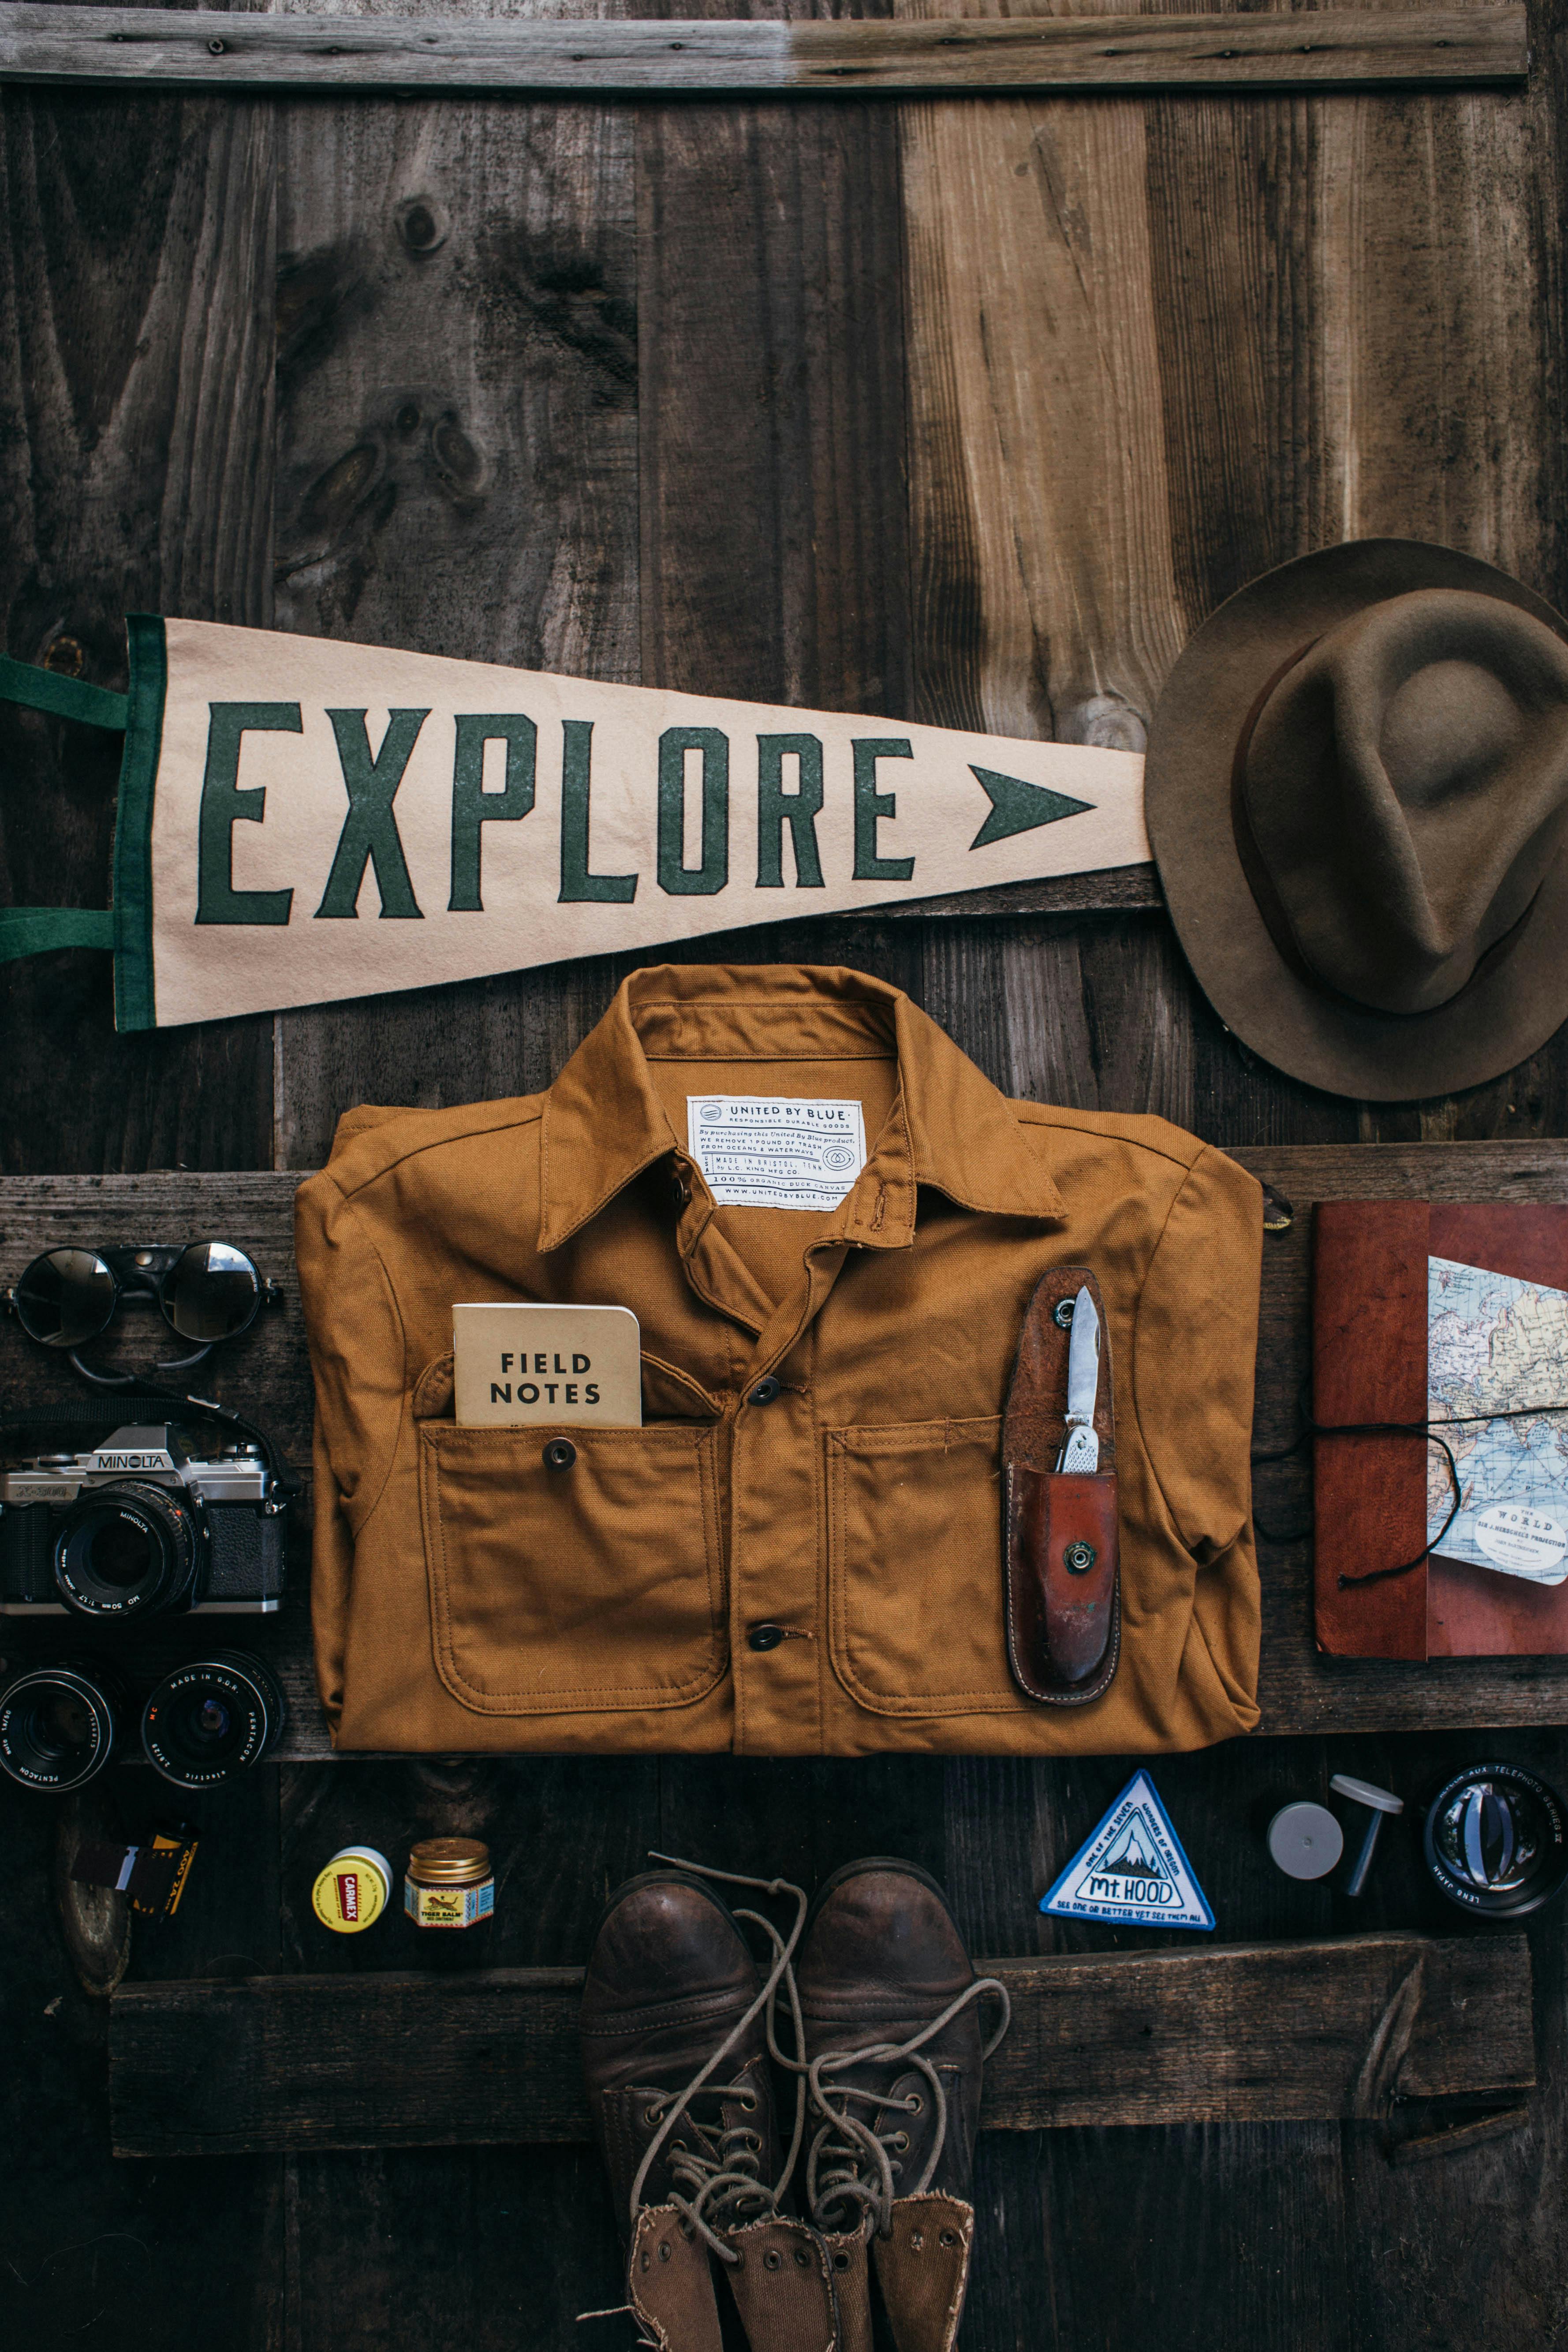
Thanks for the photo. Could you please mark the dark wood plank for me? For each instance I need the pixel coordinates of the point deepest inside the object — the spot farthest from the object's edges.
(1344, 50)
(458, 473)
(774, 529)
(135, 470)
(1229, 2034)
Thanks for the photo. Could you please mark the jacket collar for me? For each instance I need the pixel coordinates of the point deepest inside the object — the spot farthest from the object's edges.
(950, 1127)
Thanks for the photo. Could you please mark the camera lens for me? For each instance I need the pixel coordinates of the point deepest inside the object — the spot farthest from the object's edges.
(1496, 1841)
(128, 1551)
(212, 1720)
(59, 1725)
(211, 1292)
(66, 1297)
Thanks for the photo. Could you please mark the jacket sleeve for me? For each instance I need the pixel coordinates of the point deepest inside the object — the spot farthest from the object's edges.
(357, 1359)
(1194, 1357)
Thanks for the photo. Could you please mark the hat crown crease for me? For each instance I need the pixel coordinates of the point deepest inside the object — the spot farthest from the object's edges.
(1406, 783)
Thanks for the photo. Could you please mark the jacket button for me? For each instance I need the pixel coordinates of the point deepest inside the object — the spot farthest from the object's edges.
(679, 1191)
(559, 1454)
(765, 1637)
(764, 1391)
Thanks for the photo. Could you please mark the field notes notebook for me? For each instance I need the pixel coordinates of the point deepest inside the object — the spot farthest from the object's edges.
(1452, 1314)
(577, 1365)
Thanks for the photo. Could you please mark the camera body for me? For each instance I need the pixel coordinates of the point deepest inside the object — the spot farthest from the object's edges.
(141, 1525)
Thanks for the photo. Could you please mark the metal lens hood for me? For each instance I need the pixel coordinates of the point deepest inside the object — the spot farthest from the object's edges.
(212, 1720)
(1496, 1841)
(58, 1725)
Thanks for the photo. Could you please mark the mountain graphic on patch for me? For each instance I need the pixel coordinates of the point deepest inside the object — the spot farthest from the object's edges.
(1133, 1870)
(1132, 1856)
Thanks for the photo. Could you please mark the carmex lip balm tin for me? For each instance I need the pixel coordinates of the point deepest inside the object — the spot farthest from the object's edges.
(352, 1891)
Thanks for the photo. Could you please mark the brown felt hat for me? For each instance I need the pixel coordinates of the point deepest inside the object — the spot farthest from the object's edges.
(1357, 794)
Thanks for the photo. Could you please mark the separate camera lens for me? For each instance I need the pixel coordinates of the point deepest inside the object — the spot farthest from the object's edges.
(66, 1298)
(211, 1292)
(126, 1551)
(1496, 1841)
(212, 1720)
(58, 1725)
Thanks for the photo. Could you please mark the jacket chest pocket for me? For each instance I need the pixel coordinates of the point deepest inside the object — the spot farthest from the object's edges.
(566, 1586)
(914, 1567)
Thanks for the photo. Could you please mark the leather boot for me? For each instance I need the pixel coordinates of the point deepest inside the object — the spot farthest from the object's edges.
(894, 2057)
(675, 2054)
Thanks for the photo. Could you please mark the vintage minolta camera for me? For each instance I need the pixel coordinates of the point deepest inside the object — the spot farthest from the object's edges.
(141, 1525)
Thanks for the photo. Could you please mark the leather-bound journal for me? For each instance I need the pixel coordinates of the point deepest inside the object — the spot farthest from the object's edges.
(1453, 1315)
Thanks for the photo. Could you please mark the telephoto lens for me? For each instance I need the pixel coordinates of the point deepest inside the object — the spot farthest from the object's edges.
(210, 1720)
(59, 1725)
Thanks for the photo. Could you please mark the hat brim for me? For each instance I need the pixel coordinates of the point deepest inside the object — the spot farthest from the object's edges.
(1500, 1020)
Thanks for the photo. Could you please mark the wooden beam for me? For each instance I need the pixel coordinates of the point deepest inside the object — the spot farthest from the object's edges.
(1244, 2033)
(1322, 49)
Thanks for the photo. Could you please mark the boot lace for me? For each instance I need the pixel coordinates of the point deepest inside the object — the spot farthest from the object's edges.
(719, 2168)
(855, 2161)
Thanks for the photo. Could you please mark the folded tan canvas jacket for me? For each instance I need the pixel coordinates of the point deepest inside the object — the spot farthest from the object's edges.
(800, 1551)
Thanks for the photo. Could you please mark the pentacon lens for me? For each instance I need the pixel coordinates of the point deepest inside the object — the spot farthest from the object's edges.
(58, 1725)
(211, 1293)
(210, 1720)
(127, 1551)
(66, 1297)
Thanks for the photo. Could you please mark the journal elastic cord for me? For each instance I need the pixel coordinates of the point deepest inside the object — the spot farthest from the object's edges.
(1427, 1430)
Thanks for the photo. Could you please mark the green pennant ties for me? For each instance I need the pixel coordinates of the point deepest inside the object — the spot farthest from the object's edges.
(1018, 807)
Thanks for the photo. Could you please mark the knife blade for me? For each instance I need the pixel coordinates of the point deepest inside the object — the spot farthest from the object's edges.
(1081, 1453)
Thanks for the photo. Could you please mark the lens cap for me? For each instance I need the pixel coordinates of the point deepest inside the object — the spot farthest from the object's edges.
(1496, 1842)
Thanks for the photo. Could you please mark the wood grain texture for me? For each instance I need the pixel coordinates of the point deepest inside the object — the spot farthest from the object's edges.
(1345, 48)
(1045, 600)
(458, 473)
(774, 531)
(1232, 2033)
(135, 471)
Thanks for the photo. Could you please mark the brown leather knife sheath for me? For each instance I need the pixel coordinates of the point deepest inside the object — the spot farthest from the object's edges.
(1059, 1537)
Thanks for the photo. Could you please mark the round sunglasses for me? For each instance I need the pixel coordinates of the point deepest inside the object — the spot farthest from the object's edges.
(205, 1291)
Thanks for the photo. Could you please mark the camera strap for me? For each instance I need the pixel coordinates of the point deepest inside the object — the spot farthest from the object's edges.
(126, 1405)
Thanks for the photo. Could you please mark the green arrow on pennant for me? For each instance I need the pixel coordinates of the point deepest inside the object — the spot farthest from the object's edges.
(1018, 807)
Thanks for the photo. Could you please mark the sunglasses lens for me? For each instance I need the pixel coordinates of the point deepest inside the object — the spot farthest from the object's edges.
(211, 1293)
(66, 1298)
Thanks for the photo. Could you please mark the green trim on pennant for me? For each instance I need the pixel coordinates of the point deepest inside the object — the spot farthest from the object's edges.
(62, 697)
(133, 1000)
(34, 930)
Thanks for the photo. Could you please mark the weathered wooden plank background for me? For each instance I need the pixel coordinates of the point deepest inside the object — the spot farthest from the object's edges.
(1217, 2034)
(962, 410)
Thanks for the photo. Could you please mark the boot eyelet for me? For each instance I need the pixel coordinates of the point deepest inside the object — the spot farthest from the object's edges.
(803, 2259)
(914, 2104)
(647, 2260)
(739, 2259)
(900, 2140)
(664, 2250)
(948, 2237)
(840, 2262)
(772, 2259)
(917, 2239)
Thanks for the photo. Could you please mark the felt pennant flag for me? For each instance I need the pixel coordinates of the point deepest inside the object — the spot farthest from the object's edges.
(300, 821)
